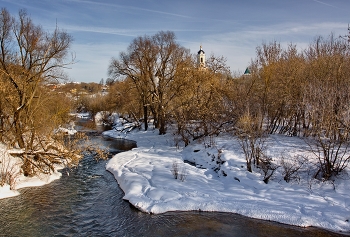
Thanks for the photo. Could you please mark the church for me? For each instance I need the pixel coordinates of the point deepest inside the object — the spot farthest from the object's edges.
(201, 58)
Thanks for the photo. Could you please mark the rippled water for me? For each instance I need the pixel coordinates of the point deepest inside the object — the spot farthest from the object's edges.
(88, 202)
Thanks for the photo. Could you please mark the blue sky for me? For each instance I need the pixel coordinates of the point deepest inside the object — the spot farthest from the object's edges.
(233, 29)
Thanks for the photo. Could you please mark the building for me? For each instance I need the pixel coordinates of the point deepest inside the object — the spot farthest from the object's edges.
(201, 58)
(247, 72)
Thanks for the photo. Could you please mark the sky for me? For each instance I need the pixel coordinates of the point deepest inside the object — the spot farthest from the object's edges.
(101, 29)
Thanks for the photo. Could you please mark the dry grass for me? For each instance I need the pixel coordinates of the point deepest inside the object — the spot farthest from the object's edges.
(9, 171)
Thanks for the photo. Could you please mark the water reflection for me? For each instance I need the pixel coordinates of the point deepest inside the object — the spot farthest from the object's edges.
(119, 144)
(88, 202)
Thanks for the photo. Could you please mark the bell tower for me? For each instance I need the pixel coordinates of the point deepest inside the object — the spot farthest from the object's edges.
(201, 58)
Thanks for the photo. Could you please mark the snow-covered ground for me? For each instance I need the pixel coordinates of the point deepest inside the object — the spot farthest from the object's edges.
(12, 165)
(24, 182)
(219, 182)
(9, 163)
(146, 177)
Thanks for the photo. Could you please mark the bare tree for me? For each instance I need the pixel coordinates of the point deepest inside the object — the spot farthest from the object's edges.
(280, 78)
(153, 63)
(327, 95)
(29, 59)
(251, 137)
(123, 98)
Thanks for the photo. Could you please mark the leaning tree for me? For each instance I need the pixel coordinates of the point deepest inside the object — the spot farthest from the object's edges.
(30, 58)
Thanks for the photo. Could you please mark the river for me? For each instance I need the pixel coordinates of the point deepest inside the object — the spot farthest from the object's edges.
(87, 201)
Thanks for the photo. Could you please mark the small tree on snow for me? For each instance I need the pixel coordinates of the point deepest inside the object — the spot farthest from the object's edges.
(251, 137)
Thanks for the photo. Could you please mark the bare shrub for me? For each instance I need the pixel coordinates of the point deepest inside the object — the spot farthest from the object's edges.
(210, 142)
(218, 161)
(291, 167)
(267, 167)
(332, 154)
(183, 174)
(179, 171)
(251, 137)
(8, 171)
(175, 170)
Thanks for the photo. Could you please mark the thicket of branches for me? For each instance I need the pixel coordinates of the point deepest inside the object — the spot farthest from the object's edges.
(30, 58)
(306, 94)
(158, 77)
(289, 91)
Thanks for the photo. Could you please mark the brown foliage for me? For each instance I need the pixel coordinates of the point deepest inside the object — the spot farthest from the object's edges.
(30, 58)
(306, 94)
(153, 64)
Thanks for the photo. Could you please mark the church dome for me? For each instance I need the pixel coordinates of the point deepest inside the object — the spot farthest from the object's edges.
(201, 51)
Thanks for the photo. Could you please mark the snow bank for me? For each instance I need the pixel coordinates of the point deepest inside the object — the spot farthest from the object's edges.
(145, 176)
(7, 161)
(101, 116)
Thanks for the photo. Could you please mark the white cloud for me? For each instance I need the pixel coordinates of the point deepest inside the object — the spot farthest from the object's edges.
(131, 8)
(325, 3)
(102, 30)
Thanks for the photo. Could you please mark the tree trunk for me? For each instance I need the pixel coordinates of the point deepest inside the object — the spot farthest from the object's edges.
(162, 128)
(249, 166)
(145, 116)
(161, 118)
(18, 130)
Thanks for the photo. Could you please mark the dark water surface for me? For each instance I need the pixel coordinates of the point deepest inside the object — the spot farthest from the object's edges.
(88, 202)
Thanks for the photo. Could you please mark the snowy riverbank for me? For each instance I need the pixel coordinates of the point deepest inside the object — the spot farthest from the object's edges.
(8, 162)
(145, 175)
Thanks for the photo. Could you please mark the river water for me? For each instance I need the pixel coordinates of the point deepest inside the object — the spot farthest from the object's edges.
(87, 201)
